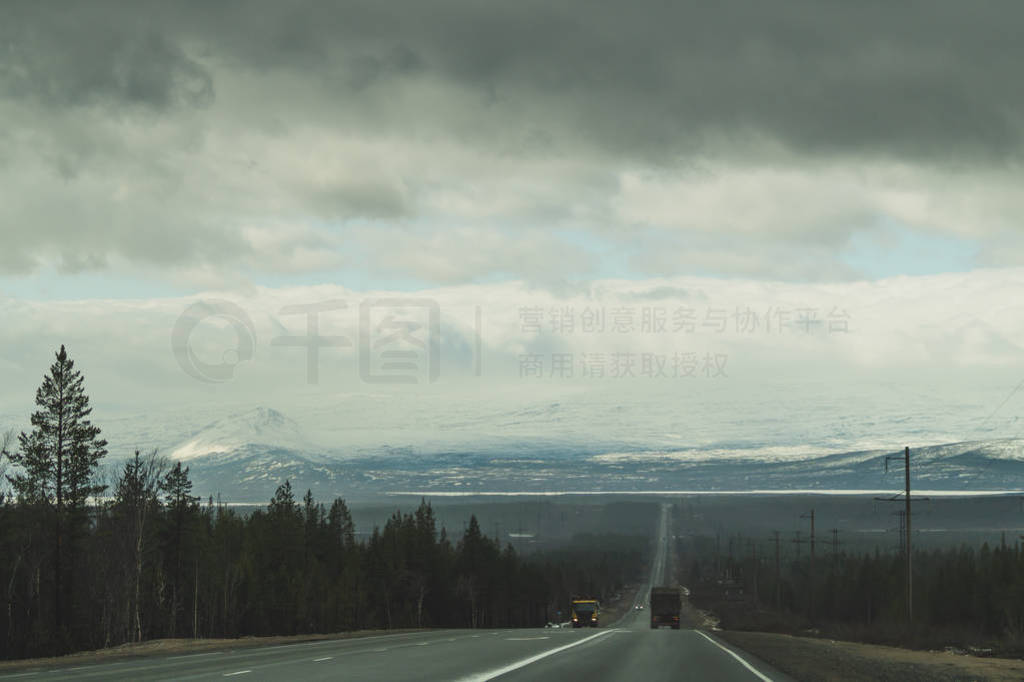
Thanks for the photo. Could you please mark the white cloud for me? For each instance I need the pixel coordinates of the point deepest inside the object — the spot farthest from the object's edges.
(962, 331)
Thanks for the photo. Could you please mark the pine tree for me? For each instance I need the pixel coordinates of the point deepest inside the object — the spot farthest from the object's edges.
(182, 508)
(282, 504)
(339, 520)
(58, 460)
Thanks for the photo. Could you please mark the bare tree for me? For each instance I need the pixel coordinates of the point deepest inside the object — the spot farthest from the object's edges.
(5, 443)
(136, 497)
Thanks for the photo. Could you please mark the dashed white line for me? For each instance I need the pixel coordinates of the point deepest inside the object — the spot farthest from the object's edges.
(325, 658)
(524, 639)
(237, 672)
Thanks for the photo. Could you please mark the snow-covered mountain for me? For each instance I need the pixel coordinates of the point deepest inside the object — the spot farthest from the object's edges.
(548, 468)
(240, 435)
(365, 445)
(245, 456)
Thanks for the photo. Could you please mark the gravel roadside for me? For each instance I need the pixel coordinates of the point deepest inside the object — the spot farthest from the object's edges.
(807, 658)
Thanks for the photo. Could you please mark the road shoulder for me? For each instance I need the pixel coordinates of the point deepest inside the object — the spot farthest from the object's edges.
(807, 658)
(173, 647)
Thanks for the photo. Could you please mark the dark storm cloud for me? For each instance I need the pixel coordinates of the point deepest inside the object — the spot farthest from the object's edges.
(72, 54)
(183, 133)
(926, 79)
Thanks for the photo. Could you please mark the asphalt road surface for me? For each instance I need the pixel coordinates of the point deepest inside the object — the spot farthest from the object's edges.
(626, 650)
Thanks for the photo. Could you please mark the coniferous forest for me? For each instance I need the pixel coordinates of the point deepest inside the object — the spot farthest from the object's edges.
(85, 565)
(89, 561)
(961, 595)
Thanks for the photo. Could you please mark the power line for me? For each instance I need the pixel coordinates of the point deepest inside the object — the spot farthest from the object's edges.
(1000, 406)
(778, 571)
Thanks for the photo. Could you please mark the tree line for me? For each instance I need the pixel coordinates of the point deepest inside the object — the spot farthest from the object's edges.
(960, 594)
(85, 565)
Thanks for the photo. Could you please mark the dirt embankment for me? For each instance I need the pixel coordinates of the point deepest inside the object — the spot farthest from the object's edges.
(807, 658)
(160, 647)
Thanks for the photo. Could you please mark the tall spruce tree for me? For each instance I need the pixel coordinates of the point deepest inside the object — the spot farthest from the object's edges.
(182, 510)
(57, 460)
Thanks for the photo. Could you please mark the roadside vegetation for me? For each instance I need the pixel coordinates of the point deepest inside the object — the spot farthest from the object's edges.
(86, 564)
(966, 599)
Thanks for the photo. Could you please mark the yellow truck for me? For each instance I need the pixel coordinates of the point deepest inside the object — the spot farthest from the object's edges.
(585, 613)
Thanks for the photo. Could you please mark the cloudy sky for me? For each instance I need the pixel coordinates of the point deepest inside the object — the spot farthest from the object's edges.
(858, 159)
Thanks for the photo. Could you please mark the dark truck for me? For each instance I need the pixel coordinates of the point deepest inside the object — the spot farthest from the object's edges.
(585, 613)
(666, 602)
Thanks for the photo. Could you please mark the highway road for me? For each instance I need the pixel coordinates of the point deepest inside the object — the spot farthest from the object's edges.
(625, 650)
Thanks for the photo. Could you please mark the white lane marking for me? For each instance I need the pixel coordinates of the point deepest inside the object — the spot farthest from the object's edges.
(237, 672)
(497, 672)
(11, 677)
(422, 643)
(524, 639)
(325, 658)
(760, 675)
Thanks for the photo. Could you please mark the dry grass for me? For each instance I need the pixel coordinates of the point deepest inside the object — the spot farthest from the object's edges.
(160, 647)
(807, 658)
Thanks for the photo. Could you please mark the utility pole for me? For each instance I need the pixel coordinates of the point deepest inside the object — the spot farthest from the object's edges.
(835, 548)
(195, 604)
(910, 574)
(753, 552)
(835, 570)
(797, 540)
(908, 552)
(810, 572)
(778, 572)
(901, 531)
